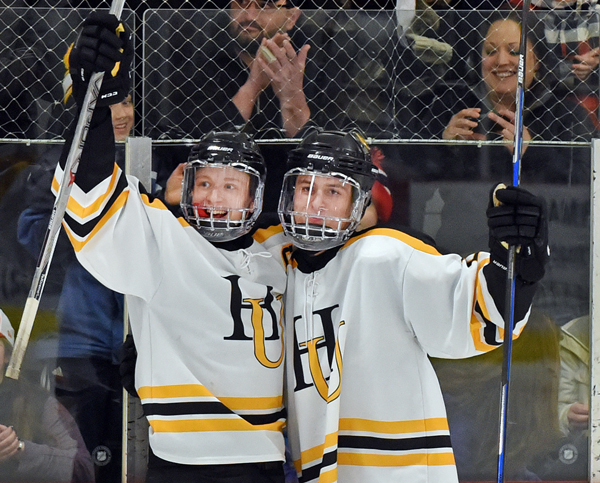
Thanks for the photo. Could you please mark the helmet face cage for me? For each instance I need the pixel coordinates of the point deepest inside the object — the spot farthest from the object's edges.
(221, 223)
(311, 227)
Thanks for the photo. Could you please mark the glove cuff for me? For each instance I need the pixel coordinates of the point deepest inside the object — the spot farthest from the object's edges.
(530, 260)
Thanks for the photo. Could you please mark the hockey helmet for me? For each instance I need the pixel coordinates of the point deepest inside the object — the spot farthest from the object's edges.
(223, 185)
(326, 188)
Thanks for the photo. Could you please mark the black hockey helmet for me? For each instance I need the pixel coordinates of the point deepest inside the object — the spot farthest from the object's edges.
(229, 148)
(336, 151)
(224, 150)
(341, 156)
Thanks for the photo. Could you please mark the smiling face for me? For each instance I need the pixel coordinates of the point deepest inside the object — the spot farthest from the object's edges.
(326, 197)
(218, 190)
(122, 118)
(500, 59)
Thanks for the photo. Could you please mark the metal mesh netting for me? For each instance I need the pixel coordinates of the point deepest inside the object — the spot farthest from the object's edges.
(33, 42)
(363, 69)
(393, 74)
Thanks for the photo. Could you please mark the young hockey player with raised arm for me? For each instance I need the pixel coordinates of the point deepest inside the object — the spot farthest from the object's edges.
(204, 297)
(365, 310)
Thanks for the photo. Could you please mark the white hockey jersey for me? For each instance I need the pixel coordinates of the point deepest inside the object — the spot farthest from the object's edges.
(207, 323)
(364, 403)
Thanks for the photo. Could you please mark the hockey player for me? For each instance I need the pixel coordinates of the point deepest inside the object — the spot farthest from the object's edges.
(204, 297)
(365, 310)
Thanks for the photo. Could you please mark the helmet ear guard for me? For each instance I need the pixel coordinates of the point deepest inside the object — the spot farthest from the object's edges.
(334, 155)
(221, 152)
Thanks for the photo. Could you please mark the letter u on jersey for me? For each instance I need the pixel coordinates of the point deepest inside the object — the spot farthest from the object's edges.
(258, 308)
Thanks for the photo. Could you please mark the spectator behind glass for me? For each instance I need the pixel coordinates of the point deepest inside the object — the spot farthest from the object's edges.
(261, 24)
(90, 321)
(122, 114)
(471, 389)
(487, 112)
(246, 68)
(574, 388)
(571, 31)
(570, 457)
(363, 52)
(243, 85)
(39, 441)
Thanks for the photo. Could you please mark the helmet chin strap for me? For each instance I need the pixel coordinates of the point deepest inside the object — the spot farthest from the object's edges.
(368, 202)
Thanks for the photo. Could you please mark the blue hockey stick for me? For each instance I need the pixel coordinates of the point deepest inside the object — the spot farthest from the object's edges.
(509, 305)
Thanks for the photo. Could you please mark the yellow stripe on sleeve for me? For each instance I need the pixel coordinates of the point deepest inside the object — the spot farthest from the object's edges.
(82, 212)
(117, 205)
(394, 427)
(398, 235)
(329, 476)
(155, 203)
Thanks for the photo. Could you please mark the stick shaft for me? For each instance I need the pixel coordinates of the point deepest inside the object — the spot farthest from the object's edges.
(58, 212)
(506, 362)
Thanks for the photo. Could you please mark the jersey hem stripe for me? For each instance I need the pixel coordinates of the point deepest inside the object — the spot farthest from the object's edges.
(210, 425)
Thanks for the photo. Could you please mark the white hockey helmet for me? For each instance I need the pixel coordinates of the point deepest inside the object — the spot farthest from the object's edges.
(327, 162)
(217, 220)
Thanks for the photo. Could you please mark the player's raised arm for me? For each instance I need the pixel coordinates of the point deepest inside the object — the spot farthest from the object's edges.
(105, 206)
(470, 292)
(103, 45)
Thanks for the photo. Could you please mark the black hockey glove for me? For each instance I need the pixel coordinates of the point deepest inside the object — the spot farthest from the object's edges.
(104, 45)
(517, 217)
(127, 360)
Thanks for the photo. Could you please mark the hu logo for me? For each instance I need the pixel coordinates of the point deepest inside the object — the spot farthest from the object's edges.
(310, 349)
(259, 308)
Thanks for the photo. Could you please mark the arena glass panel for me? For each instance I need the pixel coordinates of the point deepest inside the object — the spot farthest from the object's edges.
(439, 188)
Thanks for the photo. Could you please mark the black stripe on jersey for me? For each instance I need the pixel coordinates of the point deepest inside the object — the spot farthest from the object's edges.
(475, 259)
(489, 331)
(369, 442)
(312, 473)
(208, 407)
(496, 284)
(83, 230)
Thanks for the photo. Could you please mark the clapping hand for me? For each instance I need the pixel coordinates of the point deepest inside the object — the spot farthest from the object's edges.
(586, 63)
(285, 68)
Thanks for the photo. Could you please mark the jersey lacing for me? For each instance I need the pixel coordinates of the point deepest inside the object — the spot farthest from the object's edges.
(247, 258)
(311, 286)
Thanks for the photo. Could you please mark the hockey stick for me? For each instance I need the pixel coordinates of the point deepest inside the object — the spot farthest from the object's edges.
(509, 302)
(58, 212)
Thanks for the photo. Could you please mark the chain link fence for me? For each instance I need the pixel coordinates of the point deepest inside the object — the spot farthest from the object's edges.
(393, 74)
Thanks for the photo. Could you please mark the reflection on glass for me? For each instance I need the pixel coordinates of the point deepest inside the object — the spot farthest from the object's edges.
(39, 440)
